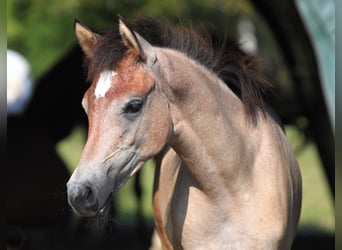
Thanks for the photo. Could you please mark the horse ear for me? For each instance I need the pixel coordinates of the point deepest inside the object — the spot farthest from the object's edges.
(136, 44)
(86, 38)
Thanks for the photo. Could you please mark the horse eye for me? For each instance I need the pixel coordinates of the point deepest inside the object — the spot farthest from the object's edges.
(133, 107)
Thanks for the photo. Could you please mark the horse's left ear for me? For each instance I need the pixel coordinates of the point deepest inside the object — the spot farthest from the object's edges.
(136, 44)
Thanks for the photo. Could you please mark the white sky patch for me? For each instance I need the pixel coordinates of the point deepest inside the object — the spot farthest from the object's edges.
(104, 83)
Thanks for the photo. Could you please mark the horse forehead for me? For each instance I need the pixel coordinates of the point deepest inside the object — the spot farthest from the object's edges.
(104, 83)
(123, 81)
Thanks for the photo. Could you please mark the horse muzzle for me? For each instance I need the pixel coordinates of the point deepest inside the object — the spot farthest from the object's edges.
(91, 185)
(83, 199)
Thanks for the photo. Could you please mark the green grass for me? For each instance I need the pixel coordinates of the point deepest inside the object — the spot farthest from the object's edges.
(317, 208)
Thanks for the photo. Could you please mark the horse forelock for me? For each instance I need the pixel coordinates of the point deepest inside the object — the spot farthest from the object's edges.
(107, 55)
(240, 72)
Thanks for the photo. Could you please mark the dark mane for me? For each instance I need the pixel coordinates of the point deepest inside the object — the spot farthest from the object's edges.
(239, 71)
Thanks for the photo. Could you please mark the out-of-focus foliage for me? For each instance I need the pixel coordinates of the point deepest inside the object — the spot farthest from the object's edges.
(43, 30)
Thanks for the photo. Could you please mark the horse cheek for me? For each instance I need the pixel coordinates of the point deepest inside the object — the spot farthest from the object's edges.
(159, 126)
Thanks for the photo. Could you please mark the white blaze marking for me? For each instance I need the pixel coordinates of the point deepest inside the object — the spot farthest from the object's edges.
(104, 83)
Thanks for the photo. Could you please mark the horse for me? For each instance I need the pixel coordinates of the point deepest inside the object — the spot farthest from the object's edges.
(225, 177)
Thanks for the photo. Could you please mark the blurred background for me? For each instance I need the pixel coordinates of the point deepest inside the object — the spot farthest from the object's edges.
(295, 42)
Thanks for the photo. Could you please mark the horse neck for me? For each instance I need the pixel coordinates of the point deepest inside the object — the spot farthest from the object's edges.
(209, 124)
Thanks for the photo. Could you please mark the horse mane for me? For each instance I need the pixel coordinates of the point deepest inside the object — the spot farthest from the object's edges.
(239, 71)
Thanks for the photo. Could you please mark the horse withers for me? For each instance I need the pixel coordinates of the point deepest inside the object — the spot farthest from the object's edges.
(226, 177)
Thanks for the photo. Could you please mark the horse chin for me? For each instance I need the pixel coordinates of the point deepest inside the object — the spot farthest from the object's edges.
(106, 207)
(102, 217)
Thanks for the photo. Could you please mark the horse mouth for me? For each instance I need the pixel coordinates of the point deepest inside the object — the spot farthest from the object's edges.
(130, 167)
(104, 210)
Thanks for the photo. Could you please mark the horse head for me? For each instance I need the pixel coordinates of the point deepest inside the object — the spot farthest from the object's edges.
(129, 118)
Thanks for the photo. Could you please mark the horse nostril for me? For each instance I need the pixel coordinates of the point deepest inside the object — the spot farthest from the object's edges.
(87, 193)
(88, 196)
(83, 199)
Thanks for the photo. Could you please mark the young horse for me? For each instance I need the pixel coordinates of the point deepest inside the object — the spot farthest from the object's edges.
(225, 178)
